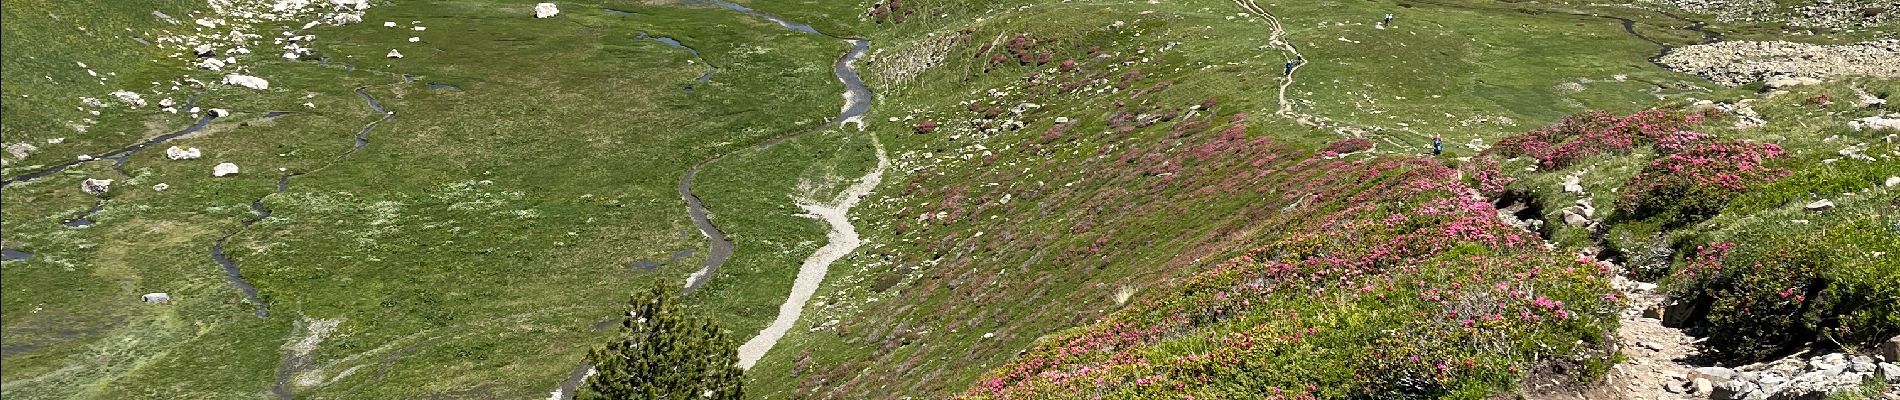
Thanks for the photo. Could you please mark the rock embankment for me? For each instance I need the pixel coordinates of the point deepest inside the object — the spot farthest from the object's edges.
(1740, 63)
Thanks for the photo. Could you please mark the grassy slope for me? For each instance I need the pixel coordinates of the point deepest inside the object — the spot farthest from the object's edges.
(520, 201)
(1481, 60)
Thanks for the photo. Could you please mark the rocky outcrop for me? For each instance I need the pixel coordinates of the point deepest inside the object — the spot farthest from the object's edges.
(1740, 63)
(1874, 123)
(1797, 377)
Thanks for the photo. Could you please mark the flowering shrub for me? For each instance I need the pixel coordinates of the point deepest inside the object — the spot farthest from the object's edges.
(1349, 145)
(1696, 182)
(1488, 176)
(1592, 134)
(1393, 250)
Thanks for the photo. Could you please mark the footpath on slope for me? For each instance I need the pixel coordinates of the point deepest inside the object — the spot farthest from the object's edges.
(842, 239)
(1277, 37)
(857, 101)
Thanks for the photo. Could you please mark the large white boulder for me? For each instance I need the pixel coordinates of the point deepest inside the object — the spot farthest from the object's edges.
(177, 153)
(394, 54)
(224, 169)
(246, 81)
(545, 10)
(156, 298)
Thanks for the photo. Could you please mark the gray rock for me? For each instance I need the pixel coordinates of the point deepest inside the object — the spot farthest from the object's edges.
(95, 187)
(1889, 350)
(1704, 386)
(1891, 371)
(1861, 366)
(1676, 387)
(1676, 314)
(1716, 373)
(1736, 389)
(156, 298)
(1575, 219)
(1820, 205)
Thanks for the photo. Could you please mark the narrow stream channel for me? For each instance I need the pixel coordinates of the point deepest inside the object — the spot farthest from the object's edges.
(232, 272)
(126, 151)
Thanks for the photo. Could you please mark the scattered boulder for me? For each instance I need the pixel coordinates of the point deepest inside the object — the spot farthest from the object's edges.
(160, 187)
(1704, 386)
(1575, 219)
(1893, 181)
(156, 298)
(96, 187)
(20, 150)
(129, 98)
(1875, 123)
(219, 113)
(224, 169)
(177, 153)
(246, 81)
(545, 10)
(394, 54)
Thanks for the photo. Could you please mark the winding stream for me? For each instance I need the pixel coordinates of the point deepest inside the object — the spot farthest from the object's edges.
(126, 151)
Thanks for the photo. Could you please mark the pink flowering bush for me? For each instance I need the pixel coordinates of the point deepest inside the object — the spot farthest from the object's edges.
(1387, 279)
(1593, 134)
(1349, 145)
(1698, 181)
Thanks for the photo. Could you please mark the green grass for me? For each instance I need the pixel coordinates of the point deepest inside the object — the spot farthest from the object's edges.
(469, 247)
(477, 227)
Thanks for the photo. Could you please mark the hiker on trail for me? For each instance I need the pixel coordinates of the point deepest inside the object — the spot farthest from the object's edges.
(1289, 66)
(1388, 19)
(1438, 145)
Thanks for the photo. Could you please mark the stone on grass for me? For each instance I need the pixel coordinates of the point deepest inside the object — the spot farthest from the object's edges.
(545, 10)
(1575, 219)
(161, 187)
(156, 298)
(1875, 123)
(219, 113)
(95, 187)
(224, 169)
(1820, 205)
(246, 81)
(177, 153)
(1893, 181)
(394, 54)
